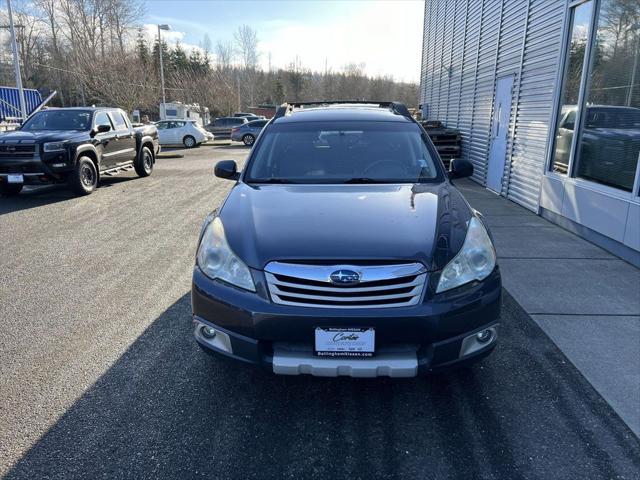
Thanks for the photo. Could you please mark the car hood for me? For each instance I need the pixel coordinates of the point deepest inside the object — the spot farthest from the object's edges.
(19, 136)
(344, 223)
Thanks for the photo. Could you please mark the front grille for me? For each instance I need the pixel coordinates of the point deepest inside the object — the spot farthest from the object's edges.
(20, 168)
(17, 150)
(380, 286)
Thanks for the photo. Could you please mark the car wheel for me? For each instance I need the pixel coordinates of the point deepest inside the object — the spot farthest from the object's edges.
(84, 179)
(189, 141)
(248, 139)
(144, 163)
(10, 189)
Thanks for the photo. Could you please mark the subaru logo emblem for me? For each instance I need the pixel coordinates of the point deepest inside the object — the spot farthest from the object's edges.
(345, 277)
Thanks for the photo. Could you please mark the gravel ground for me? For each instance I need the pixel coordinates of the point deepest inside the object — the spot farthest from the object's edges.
(99, 376)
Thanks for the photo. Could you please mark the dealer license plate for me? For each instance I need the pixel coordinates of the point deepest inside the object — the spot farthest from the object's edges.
(15, 179)
(345, 342)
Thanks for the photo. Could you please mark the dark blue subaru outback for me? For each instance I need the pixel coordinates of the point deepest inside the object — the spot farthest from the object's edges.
(344, 249)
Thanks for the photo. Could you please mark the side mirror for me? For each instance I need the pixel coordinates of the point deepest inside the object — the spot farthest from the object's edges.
(460, 169)
(227, 169)
(101, 129)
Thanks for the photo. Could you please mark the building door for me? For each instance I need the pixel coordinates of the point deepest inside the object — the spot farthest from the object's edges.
(499, 133)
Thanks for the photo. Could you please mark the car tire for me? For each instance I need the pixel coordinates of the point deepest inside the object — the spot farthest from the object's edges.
(189, 142)
(10, 189)
(84, 179)
(144, 163)
(248, 139)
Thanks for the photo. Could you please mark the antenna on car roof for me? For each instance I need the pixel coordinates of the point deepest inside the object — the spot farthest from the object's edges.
(397, 108)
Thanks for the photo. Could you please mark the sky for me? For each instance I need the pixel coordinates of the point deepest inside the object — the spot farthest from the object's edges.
(385, 35)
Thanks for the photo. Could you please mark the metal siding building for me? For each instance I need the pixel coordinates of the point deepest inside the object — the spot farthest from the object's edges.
(492, 69)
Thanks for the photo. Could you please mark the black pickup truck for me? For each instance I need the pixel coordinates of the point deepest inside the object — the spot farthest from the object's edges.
(74, 146)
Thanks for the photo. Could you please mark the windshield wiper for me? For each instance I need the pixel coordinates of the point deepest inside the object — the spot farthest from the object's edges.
(366, 180)
(270, 180)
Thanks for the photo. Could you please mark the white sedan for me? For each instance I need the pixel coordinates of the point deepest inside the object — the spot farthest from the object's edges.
(182, 132)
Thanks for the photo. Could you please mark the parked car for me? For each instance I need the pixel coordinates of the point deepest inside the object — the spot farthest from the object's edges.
(250, 116)
(221, 127)
(344, 248)
(609, 145)
(182, 132)
(248, 132)
(76, 146)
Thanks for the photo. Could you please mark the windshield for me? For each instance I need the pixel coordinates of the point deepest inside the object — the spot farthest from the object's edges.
(58, 120)
(345, 152)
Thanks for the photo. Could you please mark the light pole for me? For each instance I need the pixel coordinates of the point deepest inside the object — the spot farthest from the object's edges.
(16, 62)
(164, 100)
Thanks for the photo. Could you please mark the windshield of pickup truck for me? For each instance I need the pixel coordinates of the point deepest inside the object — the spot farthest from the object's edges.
(58, 120)
(343, 152)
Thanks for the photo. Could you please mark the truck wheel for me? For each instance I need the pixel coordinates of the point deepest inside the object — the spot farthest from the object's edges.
(189, 141)
(248, 139)
(144, 163)
(84, 179)
(10, 189)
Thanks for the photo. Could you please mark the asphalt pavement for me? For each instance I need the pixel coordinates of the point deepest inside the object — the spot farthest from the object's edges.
(100, 378)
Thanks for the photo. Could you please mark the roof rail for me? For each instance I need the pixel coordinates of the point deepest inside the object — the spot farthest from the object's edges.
(396, 107)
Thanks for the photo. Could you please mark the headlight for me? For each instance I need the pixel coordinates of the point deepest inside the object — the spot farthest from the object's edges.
(216, 260)
(54, 146)
(475, 260)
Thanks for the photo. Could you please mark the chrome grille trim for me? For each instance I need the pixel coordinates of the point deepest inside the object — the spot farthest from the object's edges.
(310, 285)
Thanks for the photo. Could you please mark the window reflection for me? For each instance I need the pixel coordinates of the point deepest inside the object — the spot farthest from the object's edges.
(580, 20)
(609, 142)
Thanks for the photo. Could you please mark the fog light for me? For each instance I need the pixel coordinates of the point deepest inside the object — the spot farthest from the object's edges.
(484, 336)
(208, 332)
(59, 165)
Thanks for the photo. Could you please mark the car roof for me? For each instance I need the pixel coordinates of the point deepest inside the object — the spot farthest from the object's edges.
(340, 113)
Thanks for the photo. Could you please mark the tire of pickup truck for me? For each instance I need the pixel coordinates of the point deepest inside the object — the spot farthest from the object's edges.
(84, 178)
(189, 142)
(144, 163)
(10, 190)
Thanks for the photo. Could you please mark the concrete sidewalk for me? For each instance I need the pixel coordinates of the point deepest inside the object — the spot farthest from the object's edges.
(584, 298)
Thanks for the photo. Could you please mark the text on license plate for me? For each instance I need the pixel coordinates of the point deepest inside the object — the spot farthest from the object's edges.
(345, 342)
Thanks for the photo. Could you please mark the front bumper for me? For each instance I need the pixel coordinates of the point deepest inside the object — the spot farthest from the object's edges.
(36, 170)
(435, 335)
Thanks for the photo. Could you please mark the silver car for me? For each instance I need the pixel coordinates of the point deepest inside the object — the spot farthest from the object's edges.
(248, 132)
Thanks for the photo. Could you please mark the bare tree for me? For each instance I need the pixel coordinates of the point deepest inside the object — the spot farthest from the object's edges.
(224, 54)
(246, 40)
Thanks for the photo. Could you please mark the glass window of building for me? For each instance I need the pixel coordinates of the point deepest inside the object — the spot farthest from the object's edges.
(609, 139)
(574, 65)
